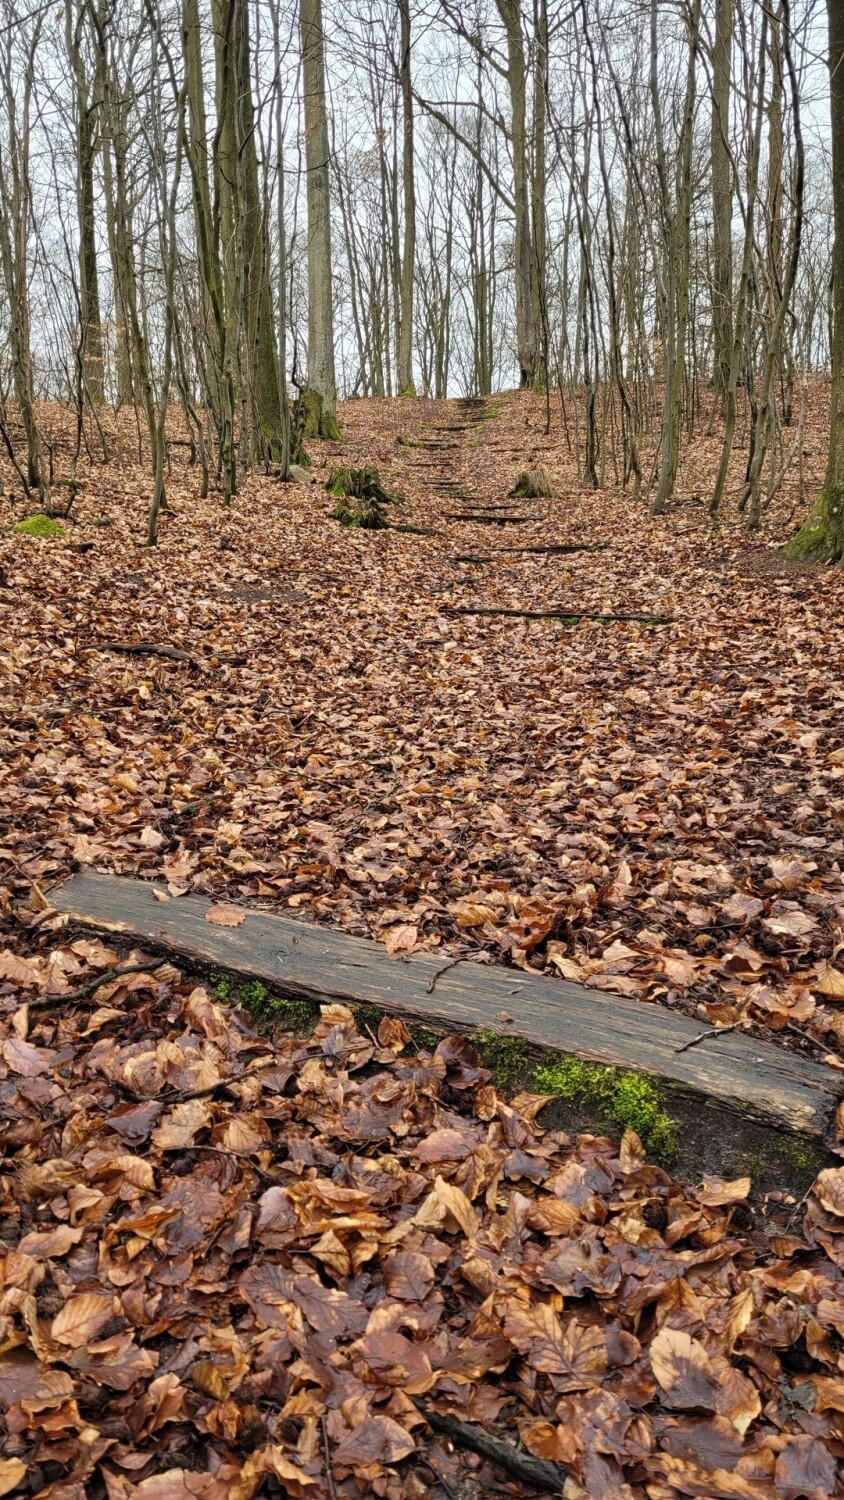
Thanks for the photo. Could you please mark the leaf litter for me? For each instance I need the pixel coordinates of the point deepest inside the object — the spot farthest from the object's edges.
(233, 1265)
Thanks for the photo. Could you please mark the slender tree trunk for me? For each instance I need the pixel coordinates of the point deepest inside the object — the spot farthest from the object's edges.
(319, 399)
(89, 292)
(122, 355)
(738, 352)
(245, 235)
(15, 222)
(722, 196)
(539, 247)
(526, 331)
(677, 213)
(404, 364)
(207, 223)
(782, 277)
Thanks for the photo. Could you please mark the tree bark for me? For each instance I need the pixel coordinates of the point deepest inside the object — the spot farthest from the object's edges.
(822, 536)
(722, 197)
(404, 363)
(526, 331)
(245, 234)
(319, 399)
(90, 325)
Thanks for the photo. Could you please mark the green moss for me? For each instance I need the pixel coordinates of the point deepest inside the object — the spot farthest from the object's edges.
(505, 1056)
(629, 1100)
(277, 1012)
(532, 484)
(368, 1015)
(222, 987)
(422, 1039)
(811, 540)
(39, 526)
(314, 421)
(366, 515)
(409, 390)
(800, 1157)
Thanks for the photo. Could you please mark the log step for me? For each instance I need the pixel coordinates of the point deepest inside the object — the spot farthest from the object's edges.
(755, 1080)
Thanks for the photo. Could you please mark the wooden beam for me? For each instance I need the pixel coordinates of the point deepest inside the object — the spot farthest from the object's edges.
(757, 1080)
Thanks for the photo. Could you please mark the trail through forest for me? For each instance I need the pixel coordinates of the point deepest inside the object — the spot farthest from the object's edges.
(342, 723)
(235, 1264)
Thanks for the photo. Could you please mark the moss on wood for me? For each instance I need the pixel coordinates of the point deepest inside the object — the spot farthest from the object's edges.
(532, 484)
(630, 1100)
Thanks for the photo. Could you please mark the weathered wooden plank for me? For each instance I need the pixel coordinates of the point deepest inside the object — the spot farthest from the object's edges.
(755, 1079)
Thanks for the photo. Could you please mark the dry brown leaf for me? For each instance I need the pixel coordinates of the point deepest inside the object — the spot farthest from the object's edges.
(81, 1319)
(224, 915)
(12, 1473)
(714, 1191)
(401, 939)
(829, 1189)
(682, 1368)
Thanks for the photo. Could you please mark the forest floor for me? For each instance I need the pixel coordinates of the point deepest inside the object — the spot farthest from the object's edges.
(249, 1289)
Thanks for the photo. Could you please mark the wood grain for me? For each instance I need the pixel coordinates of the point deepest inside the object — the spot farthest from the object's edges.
(758, 1080)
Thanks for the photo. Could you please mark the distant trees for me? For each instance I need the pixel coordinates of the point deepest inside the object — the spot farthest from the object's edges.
(218, 203)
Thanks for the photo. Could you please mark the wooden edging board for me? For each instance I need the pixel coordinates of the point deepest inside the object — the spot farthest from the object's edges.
(757, 1080)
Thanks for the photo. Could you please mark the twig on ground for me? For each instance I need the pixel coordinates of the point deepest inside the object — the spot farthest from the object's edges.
(702, 1035)
(181, 1096)
(224, 1151)
(70, 997)
(452, 963)
(147, 648)
(329, 1477)
(440, 1478)
(539, 1473)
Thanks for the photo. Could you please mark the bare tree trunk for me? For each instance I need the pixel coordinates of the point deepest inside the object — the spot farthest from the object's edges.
(89, 292)
(99, 18)
(526, 331)
(15, 218)
(404, 364)
(738, 352)
(207, 223)
(677, 214)
(539, 247)
(722, 196)
(245, 236)
(319, 398)
(782, 287)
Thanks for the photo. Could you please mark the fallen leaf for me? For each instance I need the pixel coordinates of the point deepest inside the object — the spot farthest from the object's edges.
(223, 915)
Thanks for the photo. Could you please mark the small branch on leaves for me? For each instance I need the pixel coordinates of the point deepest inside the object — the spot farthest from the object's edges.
(538, 1473)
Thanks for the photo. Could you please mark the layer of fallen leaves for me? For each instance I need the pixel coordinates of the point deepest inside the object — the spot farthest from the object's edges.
(652, 810)
(230, 1266)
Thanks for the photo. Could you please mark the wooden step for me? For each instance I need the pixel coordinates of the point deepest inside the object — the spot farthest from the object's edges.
(755, 1080)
